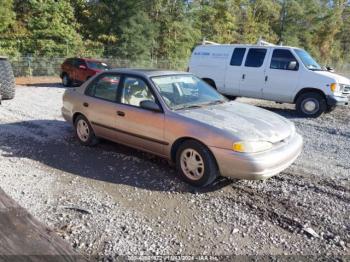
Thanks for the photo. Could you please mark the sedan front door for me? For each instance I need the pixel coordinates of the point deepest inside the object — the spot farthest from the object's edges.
(138, 127)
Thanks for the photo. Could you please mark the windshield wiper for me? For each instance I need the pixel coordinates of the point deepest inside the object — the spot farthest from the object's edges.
(188, 106)
(215, 102)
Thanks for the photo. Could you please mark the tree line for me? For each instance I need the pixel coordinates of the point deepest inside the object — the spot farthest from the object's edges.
(169, 29)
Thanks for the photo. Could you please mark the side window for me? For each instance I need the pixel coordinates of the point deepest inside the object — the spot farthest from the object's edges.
(105, 87)
(255, 57)
(69, 61)
(237, 56)
(79, 62)
(134, 91)
(283, 59)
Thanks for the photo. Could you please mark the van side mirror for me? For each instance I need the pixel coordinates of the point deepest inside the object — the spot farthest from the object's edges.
(293, 65)
(330, 69)
(150, 105)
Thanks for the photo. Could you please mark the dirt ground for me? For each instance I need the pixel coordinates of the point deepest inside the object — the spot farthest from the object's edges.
(113, 201)
(38, 81)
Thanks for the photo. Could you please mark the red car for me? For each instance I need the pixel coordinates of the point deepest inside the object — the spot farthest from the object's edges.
(75, 71)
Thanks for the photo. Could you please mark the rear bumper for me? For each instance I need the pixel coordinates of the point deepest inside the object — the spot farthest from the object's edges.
(337, 100)
(66, 115)
(260, 165)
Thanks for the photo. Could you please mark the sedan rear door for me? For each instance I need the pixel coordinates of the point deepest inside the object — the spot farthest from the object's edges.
(100, 103)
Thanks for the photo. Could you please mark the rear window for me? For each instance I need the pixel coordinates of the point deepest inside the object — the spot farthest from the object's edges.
(237, 56)
(255, 57)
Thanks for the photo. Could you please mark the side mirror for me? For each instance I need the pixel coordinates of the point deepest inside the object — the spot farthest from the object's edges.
(293, 65)
(330, 69)
(150, 105)
(82, 67)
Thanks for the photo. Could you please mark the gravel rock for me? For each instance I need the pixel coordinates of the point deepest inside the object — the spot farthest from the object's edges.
(137, 206)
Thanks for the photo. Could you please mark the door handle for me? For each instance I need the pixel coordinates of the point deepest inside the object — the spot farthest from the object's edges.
(266, 78)
(243, 76)
(120, 113)
(86, 104)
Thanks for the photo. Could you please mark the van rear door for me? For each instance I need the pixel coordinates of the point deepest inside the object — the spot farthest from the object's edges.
(282, 76)
(252, 81)
(234, 72)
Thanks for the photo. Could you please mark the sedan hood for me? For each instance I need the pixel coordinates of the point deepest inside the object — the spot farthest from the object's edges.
(243, 121)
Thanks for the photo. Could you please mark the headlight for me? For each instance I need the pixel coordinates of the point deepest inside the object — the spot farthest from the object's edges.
(251, 146)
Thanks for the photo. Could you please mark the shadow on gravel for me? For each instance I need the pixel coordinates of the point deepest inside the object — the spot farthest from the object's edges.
(287, 113)
(54, 85)
(52, 143)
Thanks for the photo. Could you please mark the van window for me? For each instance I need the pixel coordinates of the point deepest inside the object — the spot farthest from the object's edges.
(237, 56)
(255, 57)
(283, 59)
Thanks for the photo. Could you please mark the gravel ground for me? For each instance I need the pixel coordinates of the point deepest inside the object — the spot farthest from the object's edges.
(113, 201)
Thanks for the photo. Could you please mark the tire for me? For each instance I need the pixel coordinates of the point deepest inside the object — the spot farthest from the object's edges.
(84, 131)
(202, 161)
(66, 81)
(7, 80)
(311, 105)
(210, 82)
(232, 98)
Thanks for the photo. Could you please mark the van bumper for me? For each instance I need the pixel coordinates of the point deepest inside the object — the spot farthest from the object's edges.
(258, 166)
(337, 100)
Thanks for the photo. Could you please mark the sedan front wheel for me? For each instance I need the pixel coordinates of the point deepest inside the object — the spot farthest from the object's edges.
(196, 164)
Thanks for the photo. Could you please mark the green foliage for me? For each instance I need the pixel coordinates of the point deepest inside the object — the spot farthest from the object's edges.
(169, 29)
(6, 14)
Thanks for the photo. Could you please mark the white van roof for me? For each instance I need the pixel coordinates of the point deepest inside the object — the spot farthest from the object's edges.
(246, 45)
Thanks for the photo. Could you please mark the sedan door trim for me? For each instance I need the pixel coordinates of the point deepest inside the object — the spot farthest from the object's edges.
(131, 134)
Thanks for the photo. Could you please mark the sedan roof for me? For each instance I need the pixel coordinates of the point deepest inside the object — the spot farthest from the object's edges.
(147, 72)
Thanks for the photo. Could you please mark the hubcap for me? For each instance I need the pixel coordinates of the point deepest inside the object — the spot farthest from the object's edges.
(310, 106)
(192, 164)
(83, 130)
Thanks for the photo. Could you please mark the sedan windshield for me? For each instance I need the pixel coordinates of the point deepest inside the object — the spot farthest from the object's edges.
(307, 60)
(186, 91)
(97, 65)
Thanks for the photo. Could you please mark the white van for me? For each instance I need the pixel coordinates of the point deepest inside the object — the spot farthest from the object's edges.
(278, 73)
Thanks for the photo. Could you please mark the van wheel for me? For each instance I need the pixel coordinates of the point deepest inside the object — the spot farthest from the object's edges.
(195, 164)
(232, 98)
(210, 82)
(311, 105)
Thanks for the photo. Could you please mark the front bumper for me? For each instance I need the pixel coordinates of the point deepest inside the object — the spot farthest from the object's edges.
(337, 100)
(259, 165)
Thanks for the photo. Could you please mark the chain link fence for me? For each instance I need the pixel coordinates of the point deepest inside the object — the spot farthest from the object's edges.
(41, 66)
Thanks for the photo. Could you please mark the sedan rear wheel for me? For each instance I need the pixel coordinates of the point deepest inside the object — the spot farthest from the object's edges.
(195, 164)
(85, 132)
